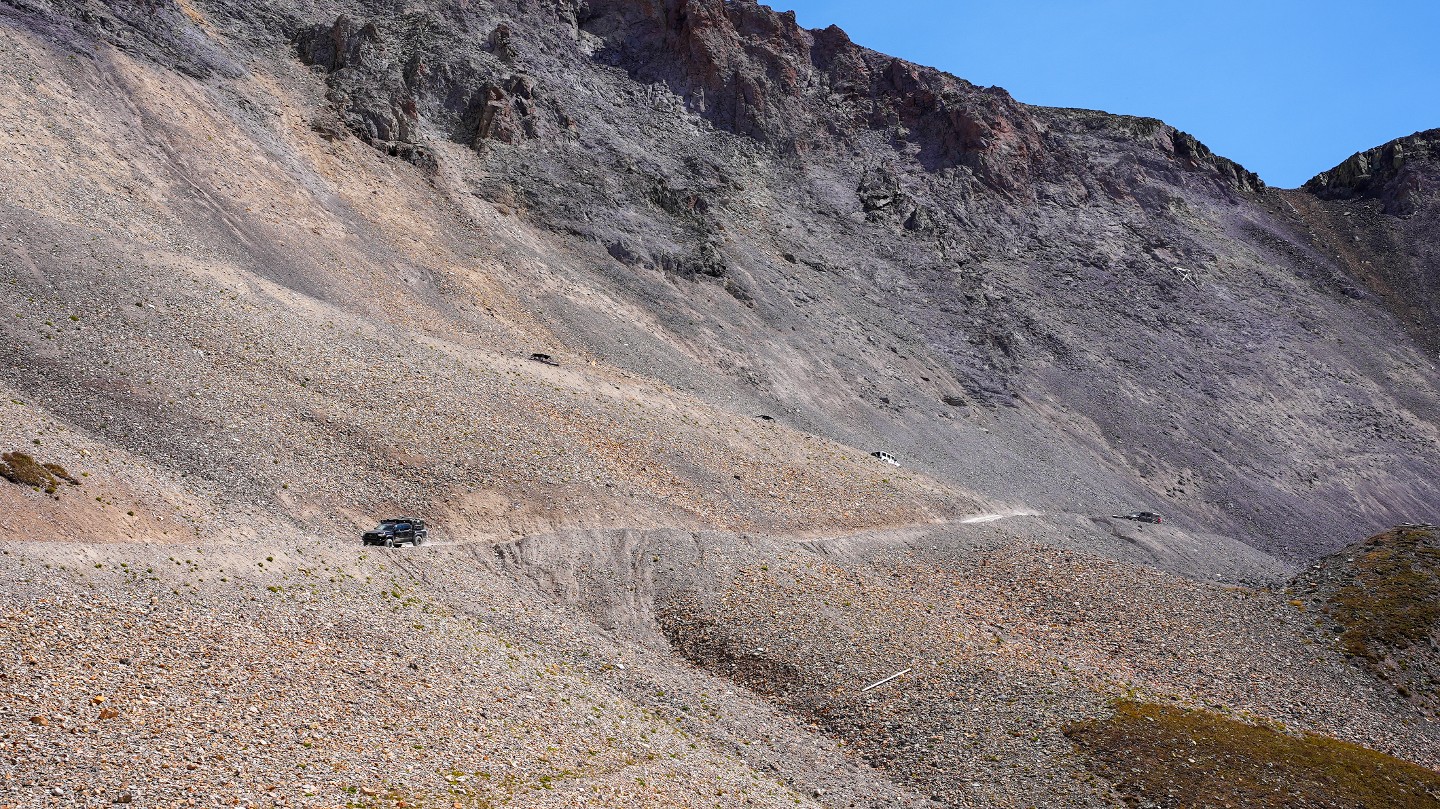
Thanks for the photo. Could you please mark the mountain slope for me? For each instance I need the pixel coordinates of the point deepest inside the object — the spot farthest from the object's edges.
(1074, 311)
(272, 270)
(256, 322)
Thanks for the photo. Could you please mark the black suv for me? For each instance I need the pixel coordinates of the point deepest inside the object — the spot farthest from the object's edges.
(401, 531)
(1140, 516)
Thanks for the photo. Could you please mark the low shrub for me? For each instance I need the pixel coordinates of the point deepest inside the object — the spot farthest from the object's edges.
(20, 468)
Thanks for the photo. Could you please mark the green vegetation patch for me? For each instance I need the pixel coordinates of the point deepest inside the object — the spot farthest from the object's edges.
(1170, 757)
(1392, 598)
(17, 467)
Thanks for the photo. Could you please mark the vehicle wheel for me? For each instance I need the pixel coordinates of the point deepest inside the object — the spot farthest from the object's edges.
(389, 543)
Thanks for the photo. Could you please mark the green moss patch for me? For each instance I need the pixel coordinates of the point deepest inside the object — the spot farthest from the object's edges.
(1391, 600)
(1384, 596)
(1171, 757)
(17, 467)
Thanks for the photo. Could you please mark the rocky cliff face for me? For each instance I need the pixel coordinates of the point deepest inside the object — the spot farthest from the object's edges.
(1398, 174)
(1383, 216)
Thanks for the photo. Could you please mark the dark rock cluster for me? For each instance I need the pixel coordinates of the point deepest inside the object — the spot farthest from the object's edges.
(1398, 174)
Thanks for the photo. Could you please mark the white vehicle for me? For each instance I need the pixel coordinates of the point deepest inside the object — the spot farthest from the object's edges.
(886, 457)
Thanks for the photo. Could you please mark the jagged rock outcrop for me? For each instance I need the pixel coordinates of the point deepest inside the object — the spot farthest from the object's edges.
(1384, 224)
(751, 70)
(381, 85)
(506, 112)
(755, 72)
(1399, 174)
(371, 89)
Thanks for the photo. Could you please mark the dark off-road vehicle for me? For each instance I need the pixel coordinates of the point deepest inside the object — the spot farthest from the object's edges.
(400, 531)
(1141, 516)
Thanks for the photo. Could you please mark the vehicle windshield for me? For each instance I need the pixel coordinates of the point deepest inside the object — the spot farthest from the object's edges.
(398, 525)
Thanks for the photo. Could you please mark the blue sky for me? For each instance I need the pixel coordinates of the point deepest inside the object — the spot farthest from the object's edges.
(1285, 87)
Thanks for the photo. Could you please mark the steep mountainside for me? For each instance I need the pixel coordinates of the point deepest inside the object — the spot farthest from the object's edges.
(1059, 309)
(621, 296)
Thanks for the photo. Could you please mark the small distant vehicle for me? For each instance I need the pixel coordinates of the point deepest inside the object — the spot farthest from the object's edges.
(399, 531)
(544, 359)
(1141, 516)
(886, 457)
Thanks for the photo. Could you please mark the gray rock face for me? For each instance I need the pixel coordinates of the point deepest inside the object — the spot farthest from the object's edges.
(1105, 264)
(1398, 174)
(1385, 220)
(373, 94)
